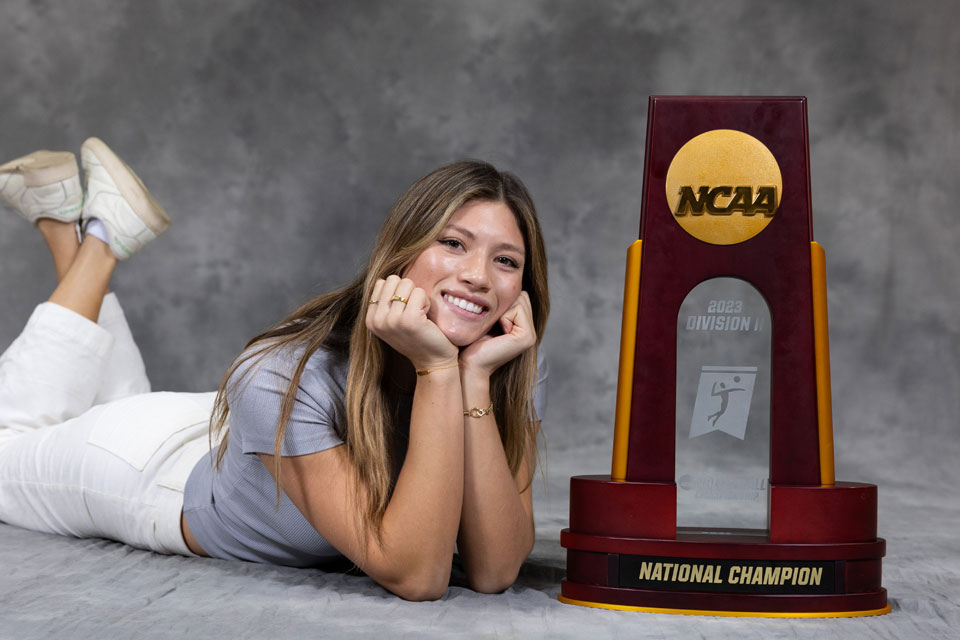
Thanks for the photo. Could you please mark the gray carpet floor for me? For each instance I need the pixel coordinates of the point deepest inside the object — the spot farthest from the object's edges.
(58, 587)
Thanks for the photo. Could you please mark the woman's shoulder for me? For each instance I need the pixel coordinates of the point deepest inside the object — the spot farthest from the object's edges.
(264, 373)
(270, 365)
(260, 382)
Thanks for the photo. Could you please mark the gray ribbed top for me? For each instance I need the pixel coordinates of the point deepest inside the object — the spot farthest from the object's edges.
(233, 512)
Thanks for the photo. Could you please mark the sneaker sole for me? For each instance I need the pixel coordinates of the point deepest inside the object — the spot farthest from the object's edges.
(131, 187)
(42, 168)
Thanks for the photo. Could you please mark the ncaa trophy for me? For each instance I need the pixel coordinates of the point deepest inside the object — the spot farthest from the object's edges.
(721, 498)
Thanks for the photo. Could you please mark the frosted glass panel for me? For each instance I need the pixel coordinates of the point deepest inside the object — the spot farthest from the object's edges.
(723, 406)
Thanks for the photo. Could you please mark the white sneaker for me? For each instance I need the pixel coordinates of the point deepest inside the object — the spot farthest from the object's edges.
(44, 184)
(117, 197)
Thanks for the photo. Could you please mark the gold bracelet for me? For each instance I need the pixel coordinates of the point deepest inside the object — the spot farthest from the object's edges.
(479, 413)
(423, 372)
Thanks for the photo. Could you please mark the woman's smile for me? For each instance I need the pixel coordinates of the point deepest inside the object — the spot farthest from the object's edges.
(468, 308)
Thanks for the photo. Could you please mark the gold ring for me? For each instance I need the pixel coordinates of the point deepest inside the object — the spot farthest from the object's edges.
(394, 298)
(372, 301)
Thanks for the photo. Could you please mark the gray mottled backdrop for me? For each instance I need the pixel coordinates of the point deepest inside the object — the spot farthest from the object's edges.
(277, 134)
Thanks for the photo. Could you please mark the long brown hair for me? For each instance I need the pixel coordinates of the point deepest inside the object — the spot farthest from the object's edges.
(416, 219)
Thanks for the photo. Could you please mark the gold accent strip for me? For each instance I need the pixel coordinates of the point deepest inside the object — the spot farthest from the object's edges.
(821, 349)
(728, 614)
(628, 350)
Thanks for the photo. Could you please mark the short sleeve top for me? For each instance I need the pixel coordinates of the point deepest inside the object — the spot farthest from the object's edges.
(232, 512)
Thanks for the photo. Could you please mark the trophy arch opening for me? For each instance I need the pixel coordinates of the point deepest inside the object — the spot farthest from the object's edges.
(723, 407)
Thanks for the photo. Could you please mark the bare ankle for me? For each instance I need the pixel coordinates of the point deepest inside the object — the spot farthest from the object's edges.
(56, 228)
(62, 240)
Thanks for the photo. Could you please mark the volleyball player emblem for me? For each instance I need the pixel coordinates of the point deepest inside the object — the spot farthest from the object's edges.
(723, 400)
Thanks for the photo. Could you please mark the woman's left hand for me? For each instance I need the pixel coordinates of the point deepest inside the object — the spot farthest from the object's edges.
(489, 353)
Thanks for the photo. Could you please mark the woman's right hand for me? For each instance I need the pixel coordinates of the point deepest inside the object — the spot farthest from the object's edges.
(406, 327)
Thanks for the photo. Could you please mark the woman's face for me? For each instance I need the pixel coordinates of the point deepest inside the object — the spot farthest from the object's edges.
(473, 272)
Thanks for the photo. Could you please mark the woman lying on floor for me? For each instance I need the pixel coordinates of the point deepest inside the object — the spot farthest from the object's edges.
(391, 421)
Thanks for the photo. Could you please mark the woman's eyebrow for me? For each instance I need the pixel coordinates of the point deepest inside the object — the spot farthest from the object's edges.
(470, 236)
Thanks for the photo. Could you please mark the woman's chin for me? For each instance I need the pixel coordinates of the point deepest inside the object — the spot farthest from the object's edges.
(461, 339)
(463, 336)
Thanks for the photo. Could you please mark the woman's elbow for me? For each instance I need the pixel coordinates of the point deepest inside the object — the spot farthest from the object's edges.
(415, 592)
(500, 573)
(422, 587)
(493, 579)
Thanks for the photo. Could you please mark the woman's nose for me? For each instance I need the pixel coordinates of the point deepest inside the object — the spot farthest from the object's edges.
(474, 271)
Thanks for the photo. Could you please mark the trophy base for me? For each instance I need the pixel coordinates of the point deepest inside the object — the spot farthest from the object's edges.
(740, 614)
(820, 558)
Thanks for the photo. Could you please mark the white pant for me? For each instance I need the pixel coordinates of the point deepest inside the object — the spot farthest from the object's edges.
(85, 449)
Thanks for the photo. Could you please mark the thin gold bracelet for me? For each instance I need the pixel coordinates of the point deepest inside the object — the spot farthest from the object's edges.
(479, 413)
(423, 372)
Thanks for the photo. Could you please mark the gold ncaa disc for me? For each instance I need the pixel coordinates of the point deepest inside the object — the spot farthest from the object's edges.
(723, 186)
